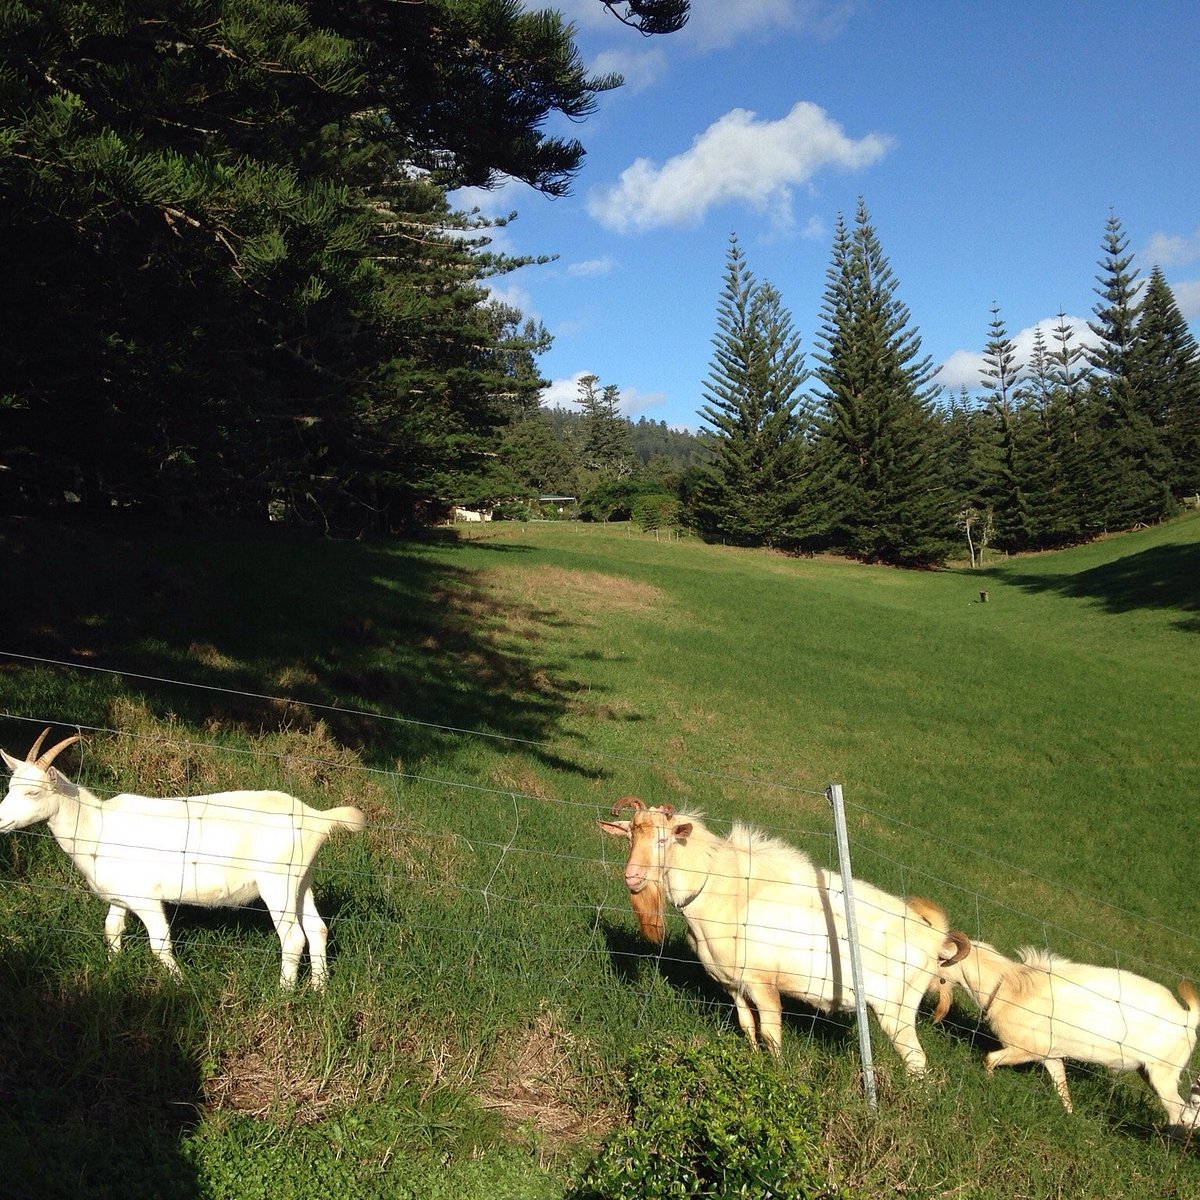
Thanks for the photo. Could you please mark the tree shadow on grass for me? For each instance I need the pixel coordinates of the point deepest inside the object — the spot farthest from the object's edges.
(95, 1091)
(631, 955)
(1161, 577)
(270, 630)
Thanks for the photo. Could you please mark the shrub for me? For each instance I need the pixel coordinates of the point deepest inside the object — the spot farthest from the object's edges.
(656, 512)
(615, 501)
(715, 1120)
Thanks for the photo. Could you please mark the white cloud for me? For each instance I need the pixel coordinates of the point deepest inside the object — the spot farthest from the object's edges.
(564, 393)
(737, 159)
(593, 266)
(1173, 250)
(639, 68)
(1187, 296)
(966, 366)
(514, 296)
(815, 230)
(714, 25)
(710, 27)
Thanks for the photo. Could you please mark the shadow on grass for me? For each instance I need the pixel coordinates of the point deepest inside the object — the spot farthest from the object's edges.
(334, 631)
(1161, 577)
(1129, 1108)
(95, 1091)
(630, 955)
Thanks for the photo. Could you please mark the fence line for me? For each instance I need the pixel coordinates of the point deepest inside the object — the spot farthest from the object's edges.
(507, 850)
(805, 833)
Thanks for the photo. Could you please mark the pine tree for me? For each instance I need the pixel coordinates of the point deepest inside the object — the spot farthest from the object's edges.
(1133, 457)
(607, 449)
(880, 450)
(1167, 373)
(1006, 492)
(1078, 433)
(750, 490)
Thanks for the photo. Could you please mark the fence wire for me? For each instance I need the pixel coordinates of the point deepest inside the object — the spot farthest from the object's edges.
(584, 922)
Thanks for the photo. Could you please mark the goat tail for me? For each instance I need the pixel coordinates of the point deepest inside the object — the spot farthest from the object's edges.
(347, 817)
(1187, 994)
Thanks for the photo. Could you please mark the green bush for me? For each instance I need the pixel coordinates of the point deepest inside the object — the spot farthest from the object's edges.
(616, 500)
(715, 1120)
(656, 512)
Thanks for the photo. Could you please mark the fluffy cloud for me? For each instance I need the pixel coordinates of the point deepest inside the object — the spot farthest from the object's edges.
(712, 25)
(738, 159)
(564, 393)
(1187, 296)
(593, 266)
(1173, 250)
(965, 367)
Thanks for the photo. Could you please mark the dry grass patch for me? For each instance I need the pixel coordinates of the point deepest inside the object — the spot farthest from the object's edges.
(533, 1078)
(579, 594)
(287, 1069)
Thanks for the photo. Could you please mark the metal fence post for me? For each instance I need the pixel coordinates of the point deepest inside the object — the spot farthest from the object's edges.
(834, 793)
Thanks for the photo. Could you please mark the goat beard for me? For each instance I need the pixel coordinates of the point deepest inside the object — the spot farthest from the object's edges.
(648, 908)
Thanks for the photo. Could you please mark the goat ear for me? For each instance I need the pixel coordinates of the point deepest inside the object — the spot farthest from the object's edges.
(682, 831)
(11, 763)
(621, 829)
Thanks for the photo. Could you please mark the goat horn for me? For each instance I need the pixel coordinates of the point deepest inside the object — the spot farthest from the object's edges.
(628, 802)
(33, 750)
(54, 751)
(667, 810)
(963, 943)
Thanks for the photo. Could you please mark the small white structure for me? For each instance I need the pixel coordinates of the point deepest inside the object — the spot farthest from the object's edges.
(227, 849)
(458, 513)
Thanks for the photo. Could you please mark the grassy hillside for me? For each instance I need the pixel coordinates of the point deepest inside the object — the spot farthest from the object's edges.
(1029, 762)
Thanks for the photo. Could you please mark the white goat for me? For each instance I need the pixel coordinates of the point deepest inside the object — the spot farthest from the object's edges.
(228, 849)
(1045, 1009)
(764, 921)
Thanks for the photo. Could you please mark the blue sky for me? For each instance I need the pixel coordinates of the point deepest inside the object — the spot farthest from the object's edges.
(990, 141)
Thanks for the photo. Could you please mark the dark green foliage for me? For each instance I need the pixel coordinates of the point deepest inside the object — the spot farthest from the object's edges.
(880, 466)
(233, 285)
(606, 448)
(1167, 370)
(654, 512)
(1005, 492)
(1133, 456)
(618, 499)
(713, 1120)
(749, 490)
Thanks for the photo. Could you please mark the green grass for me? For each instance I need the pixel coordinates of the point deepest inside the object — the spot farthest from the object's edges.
(1030, 763)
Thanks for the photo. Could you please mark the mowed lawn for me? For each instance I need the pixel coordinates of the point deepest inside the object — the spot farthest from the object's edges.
(1028, 761)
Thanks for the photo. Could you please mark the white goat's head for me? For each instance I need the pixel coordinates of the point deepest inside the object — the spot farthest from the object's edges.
(650, 834)
(33, 791)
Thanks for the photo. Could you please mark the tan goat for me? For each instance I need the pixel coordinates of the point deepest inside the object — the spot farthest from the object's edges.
(766, 922)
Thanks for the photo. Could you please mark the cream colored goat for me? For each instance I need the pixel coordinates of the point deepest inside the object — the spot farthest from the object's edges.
(227, 849)
(765, 921)
(1045, 1009)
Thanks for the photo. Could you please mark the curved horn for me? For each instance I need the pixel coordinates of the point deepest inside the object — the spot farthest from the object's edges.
(667, 810)
(628, 802)
(54, 751)
(963, 943)
(33, 750)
